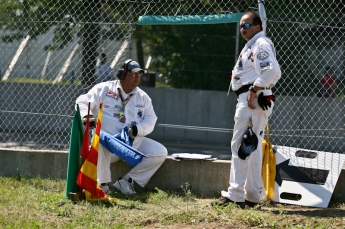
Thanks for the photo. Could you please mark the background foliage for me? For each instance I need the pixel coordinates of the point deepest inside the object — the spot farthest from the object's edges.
(192, 56)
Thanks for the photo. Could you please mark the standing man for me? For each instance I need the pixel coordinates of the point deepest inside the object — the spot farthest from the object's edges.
(255, 73)
(125, 104)
(103, 71)
(329, 83)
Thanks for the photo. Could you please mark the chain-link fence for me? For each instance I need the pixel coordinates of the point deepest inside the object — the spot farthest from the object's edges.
(50, 50)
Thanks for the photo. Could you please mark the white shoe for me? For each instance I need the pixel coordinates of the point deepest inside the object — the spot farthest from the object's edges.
(104, 187)
(126, 187)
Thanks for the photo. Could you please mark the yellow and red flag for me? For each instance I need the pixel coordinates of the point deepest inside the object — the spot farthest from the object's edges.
(87, 176)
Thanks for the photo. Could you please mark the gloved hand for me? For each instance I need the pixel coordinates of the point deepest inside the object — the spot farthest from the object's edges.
(92, 121)
(133, 132)
(265, 101)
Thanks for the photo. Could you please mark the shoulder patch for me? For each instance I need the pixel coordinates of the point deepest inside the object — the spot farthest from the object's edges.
(262, 55)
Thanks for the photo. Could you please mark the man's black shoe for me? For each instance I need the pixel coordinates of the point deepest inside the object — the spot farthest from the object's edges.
(223, 201)
(249, 204)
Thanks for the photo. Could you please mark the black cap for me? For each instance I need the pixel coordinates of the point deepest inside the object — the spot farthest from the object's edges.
(134, 67)
(249, 143)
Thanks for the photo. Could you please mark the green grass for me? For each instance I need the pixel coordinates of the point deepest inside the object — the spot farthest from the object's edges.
(50, 81)
(41, 81)
(162, 85)
(40, 203)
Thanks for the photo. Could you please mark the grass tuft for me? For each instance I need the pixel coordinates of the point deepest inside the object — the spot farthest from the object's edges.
(41, 203)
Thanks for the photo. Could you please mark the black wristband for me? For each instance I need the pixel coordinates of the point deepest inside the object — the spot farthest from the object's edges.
(135, 130)
(252, 89)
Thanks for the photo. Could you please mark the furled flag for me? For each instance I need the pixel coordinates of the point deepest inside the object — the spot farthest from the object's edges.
(73, 154)
(87, 176)
(268, 166)
(85, 146)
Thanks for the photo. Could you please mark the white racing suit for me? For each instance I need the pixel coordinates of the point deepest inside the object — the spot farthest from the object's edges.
(139, 111)
(256, 65)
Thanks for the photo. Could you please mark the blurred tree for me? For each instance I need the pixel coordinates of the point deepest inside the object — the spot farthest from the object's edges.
(211, 57)
(33, 18)
(192, 56)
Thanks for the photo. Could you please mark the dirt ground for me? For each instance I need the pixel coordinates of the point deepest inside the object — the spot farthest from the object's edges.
(288, 216)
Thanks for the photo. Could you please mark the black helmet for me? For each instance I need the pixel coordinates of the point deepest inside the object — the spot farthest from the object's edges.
(249, 143)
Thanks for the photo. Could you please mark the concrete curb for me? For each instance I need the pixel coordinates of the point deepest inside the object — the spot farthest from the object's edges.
(204, 177)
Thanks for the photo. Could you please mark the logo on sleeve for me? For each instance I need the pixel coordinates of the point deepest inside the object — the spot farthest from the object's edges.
(265, 66)
(262, 55)
(240, 65)
(250, 57)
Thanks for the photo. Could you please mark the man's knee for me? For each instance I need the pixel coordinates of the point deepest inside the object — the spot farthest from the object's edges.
(161, 155)
(164, 152)
(160, 151)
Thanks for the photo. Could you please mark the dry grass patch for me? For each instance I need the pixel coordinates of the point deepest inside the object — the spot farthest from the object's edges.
(41, 203)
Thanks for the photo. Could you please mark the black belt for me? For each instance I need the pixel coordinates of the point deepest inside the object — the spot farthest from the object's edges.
(243, 89)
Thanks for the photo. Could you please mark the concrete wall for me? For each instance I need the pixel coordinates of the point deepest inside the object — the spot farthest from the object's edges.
(304, 122)
(193, 108)
(204, 177)
(52, 110)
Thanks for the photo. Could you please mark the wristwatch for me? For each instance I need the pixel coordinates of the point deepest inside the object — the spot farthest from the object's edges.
(251, 88)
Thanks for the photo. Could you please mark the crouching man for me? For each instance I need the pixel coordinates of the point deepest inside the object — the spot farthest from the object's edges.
(125, 104)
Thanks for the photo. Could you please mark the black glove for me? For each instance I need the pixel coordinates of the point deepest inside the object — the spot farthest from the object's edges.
(265, 101)
(133, 132)
(92, 121)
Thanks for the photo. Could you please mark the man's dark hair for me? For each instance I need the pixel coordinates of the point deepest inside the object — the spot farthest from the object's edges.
(328, 67)
(256, 19)
(103, 58)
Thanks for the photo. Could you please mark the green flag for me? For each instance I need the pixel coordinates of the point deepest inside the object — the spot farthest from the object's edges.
(74, 160)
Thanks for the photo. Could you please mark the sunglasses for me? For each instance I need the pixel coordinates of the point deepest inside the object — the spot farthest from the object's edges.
(135, 75)
(245, 26)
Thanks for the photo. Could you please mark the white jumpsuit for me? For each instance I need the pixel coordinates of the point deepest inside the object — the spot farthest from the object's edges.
(138, 110)
(256, 65)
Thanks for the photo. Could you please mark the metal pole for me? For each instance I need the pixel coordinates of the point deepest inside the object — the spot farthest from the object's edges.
(237, 42)
(129, 10)
(262, 12)
(102, 31)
